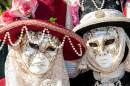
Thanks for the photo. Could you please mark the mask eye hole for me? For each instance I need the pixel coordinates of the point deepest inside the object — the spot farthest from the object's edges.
(93, 44)
(34, 46)
(50, 49)
(108, 42)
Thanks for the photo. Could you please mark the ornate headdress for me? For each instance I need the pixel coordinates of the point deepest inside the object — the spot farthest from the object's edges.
(13, 32)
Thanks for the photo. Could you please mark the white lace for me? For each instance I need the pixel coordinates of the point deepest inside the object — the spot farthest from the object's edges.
(17, 73)
(111, 77)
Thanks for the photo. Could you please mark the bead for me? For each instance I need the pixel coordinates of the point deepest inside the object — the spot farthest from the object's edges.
(97, 6)
(74, 47)
(3, 41)
(19, 40)
(30, 38)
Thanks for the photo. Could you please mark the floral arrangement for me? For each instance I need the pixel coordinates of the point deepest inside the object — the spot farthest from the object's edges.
(17, 10)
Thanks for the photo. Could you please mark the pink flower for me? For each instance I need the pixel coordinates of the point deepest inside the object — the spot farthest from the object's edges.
(24, 8)
(6, 18)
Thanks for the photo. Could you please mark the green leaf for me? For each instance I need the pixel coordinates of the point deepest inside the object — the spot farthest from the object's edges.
(0, 9)
(9, 3)
(52, 20)
(5, 3)
(31, 17)
(4, 10)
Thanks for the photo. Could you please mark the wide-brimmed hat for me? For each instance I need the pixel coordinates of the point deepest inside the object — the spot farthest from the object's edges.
(109, 13)
(74, 45)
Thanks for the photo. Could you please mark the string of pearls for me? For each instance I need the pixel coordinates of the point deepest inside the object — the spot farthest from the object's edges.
(96, 84)
(82, 5)
(30, 37)
(19, 40)
(61, 45)
(3, 41)
(51, 42)
(97, 6)
(49, 36)
(118, 83)
(74, 47)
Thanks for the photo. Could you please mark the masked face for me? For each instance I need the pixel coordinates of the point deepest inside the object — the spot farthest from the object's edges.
(40, 57)
(104, 43)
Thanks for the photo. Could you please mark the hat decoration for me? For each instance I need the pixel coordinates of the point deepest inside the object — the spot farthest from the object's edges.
(112, 16)
(17, 22)
(100, 13)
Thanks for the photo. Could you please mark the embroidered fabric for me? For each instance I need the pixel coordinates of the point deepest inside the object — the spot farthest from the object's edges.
(110, 84)
(114, 74)
(17, 74)
(111, 77)
(127, 61)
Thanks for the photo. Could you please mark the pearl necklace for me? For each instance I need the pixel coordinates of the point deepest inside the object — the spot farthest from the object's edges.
(97, 6)
(98, 14)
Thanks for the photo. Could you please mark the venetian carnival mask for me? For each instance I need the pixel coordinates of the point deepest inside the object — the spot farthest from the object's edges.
(39, 57)
(104, 42)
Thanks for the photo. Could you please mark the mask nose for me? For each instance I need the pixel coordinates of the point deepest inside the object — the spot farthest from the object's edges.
(102, 48)
(40, 56)
(102, 51)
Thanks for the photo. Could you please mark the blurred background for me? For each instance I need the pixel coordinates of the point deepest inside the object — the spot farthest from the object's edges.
(4, 51)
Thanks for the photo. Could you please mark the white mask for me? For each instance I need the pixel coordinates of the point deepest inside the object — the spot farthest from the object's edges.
(39, 57)
(104, 42)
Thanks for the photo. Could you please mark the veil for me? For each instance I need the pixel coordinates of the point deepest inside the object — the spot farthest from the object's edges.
(17, 74)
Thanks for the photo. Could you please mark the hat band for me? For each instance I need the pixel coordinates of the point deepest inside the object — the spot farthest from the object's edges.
(107, 14)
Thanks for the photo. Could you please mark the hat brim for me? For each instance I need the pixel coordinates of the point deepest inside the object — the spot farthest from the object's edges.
(102, 22)
(15, 30)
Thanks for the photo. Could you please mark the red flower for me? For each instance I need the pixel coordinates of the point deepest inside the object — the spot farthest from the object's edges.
(24, 8)
(7, 18)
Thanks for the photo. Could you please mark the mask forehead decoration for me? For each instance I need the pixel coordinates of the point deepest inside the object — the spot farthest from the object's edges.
(39, 57)
(105, 45)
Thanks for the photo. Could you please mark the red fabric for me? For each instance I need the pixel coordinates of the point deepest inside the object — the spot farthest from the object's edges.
(124, 11)
(54, 29)
(46, 10)
(2, 82)
(51, 8)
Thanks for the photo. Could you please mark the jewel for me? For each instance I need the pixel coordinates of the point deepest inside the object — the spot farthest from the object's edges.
(99, 14)
(117, 2)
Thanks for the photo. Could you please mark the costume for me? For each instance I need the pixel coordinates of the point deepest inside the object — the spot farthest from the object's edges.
(37, 48)
(106, 33)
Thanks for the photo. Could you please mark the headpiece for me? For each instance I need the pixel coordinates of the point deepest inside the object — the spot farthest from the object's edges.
(74, 46)
(99, 14)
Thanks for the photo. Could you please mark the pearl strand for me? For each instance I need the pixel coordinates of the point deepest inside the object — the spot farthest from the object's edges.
(74, 47)
(96, 84)
(30, 38)
(118, 83)
(82, 5)
(60, 46)
(19, 40)
(97, 6)
(3, 41)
